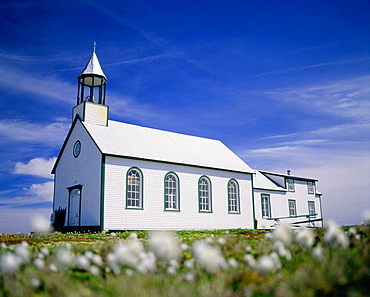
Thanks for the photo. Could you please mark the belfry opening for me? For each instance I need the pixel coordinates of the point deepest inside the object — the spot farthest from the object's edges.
(92, 82)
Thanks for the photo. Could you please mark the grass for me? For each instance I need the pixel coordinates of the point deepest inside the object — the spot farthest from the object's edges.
(342, 271)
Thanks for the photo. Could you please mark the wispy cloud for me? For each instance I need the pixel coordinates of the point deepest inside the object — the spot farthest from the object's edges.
(43, 86)
(347, 99)
(318, 65)
(26, 132)
(142, 60)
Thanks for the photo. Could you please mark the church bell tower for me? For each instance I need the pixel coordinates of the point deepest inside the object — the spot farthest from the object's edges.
(92, 89)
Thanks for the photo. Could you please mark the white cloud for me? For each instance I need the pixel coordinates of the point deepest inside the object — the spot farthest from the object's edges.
(35, 194)
(38, 166)
(43, 191)
(21, 131)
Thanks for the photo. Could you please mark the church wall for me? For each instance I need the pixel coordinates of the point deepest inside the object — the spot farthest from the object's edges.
(154, 217)
(85, 171)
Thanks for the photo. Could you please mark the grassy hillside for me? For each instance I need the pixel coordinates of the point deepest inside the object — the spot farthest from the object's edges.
(285, 262)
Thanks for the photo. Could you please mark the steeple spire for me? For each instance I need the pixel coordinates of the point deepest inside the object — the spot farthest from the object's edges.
(92, 77)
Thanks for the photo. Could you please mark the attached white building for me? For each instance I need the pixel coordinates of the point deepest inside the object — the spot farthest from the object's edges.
(284, 197)
(115, 176)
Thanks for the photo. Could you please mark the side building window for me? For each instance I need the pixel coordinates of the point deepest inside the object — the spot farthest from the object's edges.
(290, 185)
(311, 187)
(171, 192)
(292, 208)
(233, 196)
(134, 189)
(205, 194)
(266, 209)
(311, 208)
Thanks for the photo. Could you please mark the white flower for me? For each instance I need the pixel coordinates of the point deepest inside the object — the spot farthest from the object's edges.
(173, 263)
(41, 225)
(250, 260)
(318, 253)
(128, 254)
(171, 270)
(189, 277)
(112, 260)
(45, 251)
(39, 263)
(53, 268)
(282, 251)
(283, 233)
(164, 245)
(248, 248)
(147, 263)
(82, 262)
(133, 236)
(10, 263)
(23, 252)
(93, 270)
(184, 247)
(269, 236)
(305, 238)
(3, 246)
(64, 258)
(113, 234)
(129, 272)
(335, 235)
(352, 231)
(232, 263)
(221, 241)
(35, 283)
(189, 264)
(209, 257)
(265, 265)
(268, 263)
(209, 240)
(89, 254)
(366, 216)
(40, 256)
(97, 260)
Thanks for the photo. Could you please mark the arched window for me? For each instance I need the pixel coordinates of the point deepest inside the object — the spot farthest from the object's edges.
(233, 196)
(134, 196)
(171, 192)
(205, 194)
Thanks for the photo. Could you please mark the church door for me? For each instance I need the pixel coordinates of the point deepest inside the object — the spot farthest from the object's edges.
(74, 207)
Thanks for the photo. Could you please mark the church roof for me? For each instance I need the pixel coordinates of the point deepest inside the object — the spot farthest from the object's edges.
(126, 140)
(93, 67)
(264, 183)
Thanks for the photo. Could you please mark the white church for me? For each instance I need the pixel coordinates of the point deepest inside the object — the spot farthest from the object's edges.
(115, 176)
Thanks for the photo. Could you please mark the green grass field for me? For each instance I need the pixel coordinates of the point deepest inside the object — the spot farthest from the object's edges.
(285, 262)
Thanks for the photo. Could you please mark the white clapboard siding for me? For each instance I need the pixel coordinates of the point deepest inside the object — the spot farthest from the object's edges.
(92, 113)
(154, 217)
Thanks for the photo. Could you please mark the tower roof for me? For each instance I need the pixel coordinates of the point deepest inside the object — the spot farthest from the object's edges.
(93, 67)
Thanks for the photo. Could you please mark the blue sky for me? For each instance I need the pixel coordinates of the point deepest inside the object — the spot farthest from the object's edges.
(284, 84)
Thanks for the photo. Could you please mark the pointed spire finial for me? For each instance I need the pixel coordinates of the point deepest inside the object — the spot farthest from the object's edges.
(94, 46)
